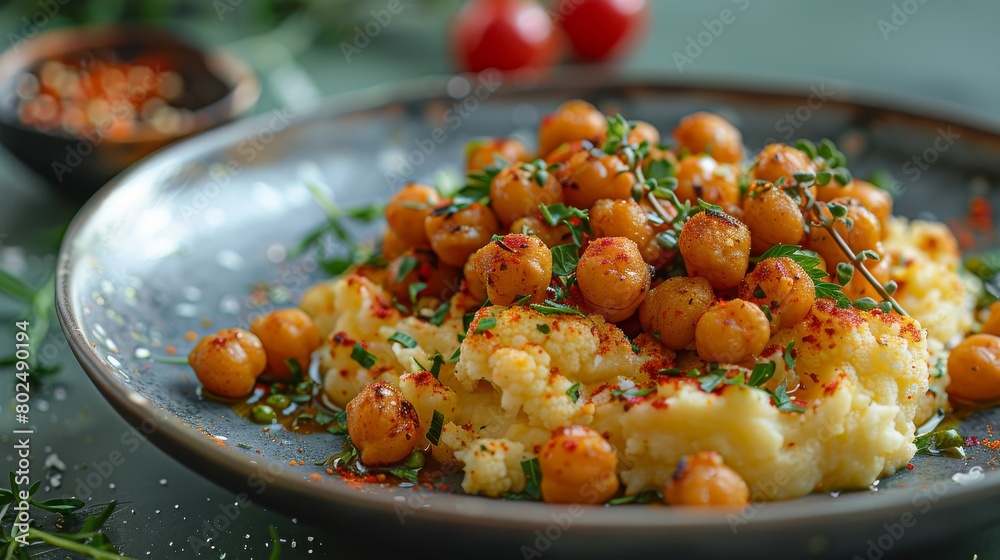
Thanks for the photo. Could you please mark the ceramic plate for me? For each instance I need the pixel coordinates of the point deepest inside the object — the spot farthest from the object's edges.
(197, 238)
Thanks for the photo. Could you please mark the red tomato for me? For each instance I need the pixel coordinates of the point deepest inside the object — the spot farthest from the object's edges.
(503, 34)
(601, 29)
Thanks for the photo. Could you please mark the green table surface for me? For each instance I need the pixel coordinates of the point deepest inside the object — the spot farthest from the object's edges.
(945, 51)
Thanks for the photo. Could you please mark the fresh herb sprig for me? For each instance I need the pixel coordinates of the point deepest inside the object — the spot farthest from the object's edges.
(349, 459)
(40, 304)
(89, 540)
(947, 443)
(348, 252)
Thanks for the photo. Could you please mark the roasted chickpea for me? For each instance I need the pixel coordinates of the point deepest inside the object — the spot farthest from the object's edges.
(407, 210)
(473, 280)
(671, 310)
(423, 266)
(710, 134)
(392, 245)
(704, 480)
(516, 192)
(228, 362)
(641, 132)
(778, 161)
(992, 323)
(865, 233)
(457, 235)
(287, 334)
(876, 200)
(382, 424)
(783, 286)
(716, 247)
(773, 217)
(578, 467)
(612, 277)
(550, 235)
(588, 179)
(701, 176)
(480, 154)
(731, 332)
(859, 287)
(625, 218)
(974, 367)
(513, 267)
(573, 120)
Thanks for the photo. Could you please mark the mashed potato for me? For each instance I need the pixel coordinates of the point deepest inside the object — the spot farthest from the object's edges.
(863, 380)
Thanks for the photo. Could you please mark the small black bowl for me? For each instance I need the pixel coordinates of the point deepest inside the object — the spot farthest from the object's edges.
(217, 87)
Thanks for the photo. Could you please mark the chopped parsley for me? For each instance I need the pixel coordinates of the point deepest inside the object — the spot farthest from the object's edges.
(543, 328)
(362, 356)
(632, 392)
(577, 220)
(574, 391)
(762, 373)
(404, 339)
(437, 424)
(440, 314)
(789, 357)
(485, 324)
(406, 266)
(553, 308)
(942, 442)
(564, 259)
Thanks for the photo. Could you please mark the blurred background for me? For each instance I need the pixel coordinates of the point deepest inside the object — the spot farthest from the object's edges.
(295, 53)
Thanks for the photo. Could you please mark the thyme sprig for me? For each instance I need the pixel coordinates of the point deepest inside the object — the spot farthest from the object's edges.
(88, 540)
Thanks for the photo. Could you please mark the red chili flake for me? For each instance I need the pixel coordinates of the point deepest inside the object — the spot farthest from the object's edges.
(972, 441)
(909, 466)
(569, 445)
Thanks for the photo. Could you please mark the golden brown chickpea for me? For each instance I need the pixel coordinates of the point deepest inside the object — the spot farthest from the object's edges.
(473, 280)
(876, 200)
(515, 193)
(641, 132)
(228, 362)
(454, 237)
(578, 467)
(866, 233)
(778, 161)
(513, 267)
(859, 287)
(441, 281)
(550, 235)
(702, 177)
(392, 245)
(992, 323)
(382, 424)
(710, 134)
(704, 480)
(716, 247)
(974, 367)
(783, 286)
(625, 218)
(612, 277)
(731, 332)
(287, 334)
(408, 209)
(573, 120)
(588, 179)
(480, 154)
(773, 217)
(671, 310)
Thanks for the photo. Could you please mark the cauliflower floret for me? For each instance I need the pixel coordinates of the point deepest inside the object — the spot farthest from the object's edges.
(583, 349)
(344, 377)
(361, 307)
(526, 381)
(427, 394)
(492, 467)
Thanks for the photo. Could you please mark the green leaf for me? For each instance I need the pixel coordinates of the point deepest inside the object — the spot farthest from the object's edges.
(437, 424)
(712, 379)
(485, 324)
(95, 522)
(789, 356)
(845, 271)
(532, 478)
(275, 543)
(406, 266)
(640, 498)
(948, 443)
(404, 339)
(838, 210)
(806, 146)
(782, 401)
(632, 392)
(552, 308)
(415, 289)
(60, 505)
(543, 328)
(440, 314)
(576, 219)
(15, 287)
(762, 373)
(362, 356)
(574, 391)
(823, 178)
(865, 304)
(565, 258)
